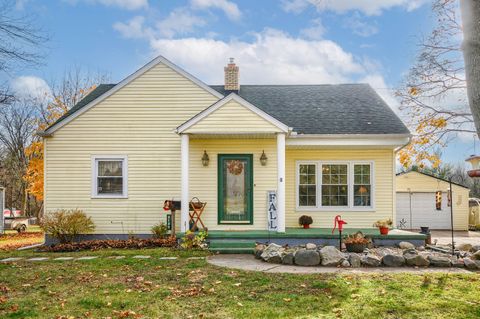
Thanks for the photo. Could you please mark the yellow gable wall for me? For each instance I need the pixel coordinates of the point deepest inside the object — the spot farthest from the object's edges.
(383, 161)
(203, 180)
(417, 182)
(137, 121)
(232, 118)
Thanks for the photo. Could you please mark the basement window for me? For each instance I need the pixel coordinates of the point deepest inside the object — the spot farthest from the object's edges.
(109, 177)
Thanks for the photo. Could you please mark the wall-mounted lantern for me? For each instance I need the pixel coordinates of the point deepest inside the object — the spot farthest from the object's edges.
(263, 159)
(205, 159)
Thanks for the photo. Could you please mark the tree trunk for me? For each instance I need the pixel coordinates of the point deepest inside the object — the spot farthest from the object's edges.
(471, 53)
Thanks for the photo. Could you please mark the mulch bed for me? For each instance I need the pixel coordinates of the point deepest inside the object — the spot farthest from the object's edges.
(132, 243)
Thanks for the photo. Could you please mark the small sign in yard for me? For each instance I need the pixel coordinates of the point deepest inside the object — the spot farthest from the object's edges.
(272, 210)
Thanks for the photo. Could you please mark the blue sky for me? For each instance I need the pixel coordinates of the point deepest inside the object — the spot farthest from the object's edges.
(283, 41)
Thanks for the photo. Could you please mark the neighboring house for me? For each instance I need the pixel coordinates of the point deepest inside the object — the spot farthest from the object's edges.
(422, 200)
(125, 148)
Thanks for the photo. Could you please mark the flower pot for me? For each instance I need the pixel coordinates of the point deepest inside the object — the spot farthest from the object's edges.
(355, 248)
(424, 230)
(383, 230)
(306, 226)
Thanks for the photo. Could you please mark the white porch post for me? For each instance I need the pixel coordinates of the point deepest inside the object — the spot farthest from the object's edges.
(281, 181)
(185, 149)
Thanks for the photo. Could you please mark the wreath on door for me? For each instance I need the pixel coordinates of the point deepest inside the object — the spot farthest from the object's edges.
(235, 167)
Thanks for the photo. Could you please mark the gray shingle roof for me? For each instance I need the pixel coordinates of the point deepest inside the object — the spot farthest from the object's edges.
(325, 109)
(310, 109)
(99, 90)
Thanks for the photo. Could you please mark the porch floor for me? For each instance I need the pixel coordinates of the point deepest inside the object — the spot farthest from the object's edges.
(323, 233)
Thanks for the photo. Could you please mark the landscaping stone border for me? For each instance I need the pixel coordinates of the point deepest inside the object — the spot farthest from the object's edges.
(405, 255)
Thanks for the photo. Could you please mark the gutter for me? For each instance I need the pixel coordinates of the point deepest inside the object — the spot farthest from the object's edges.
(43, 134)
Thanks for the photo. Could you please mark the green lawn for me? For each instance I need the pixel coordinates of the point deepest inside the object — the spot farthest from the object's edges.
(183, 288)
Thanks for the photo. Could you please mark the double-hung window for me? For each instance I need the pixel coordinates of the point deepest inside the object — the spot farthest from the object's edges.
(109, 176)
(334, 185)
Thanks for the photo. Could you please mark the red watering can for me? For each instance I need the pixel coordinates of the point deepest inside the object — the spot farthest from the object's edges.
(339, 222)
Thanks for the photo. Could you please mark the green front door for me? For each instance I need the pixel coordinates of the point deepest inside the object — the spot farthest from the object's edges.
(235, 189)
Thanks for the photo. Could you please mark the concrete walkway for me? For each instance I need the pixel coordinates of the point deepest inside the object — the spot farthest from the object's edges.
(444, 237)
(249, 263)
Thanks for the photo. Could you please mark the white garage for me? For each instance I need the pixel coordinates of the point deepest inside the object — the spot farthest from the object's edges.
(422, 200)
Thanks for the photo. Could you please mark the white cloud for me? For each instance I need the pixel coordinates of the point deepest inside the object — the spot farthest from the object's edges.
(179, 21)
(228, 7)
(123, 4)
(133, 29)
(30, 87)
(368, 7)
(359, 26)
(314, 32)
(272, 58)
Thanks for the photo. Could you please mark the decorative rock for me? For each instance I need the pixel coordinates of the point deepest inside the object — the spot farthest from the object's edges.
(370, 260)
(405, 245)
(345, 264)
(288, 258)
(355, 260)
(63, 258)
(141, 257)
(471, 264)
(410, 251)
(476, 256)
(161, 258)
(393, 260)
(11, 259)
(421, 248)
(304, 257)
(259, 250)
(439, 261)
(331, 256)
(416, 260)
(464, 247)
(272, 254)
(458, 263)
(475, 248)
(311, 246)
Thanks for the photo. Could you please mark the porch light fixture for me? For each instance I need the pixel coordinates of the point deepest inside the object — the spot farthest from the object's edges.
(205, 159)
(263, 159)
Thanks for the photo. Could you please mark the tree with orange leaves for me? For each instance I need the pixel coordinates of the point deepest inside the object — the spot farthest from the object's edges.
(72, 89)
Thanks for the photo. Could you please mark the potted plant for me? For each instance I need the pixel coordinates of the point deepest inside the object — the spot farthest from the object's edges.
(356, 243)
(384, 225)
(305, 221)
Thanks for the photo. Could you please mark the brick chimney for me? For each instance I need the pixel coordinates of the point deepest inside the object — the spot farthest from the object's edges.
(231, 77)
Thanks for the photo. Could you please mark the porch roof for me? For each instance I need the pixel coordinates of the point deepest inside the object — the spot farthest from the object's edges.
(232, 115)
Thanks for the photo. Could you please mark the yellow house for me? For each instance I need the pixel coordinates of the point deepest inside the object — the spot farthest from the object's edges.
(423, 201)
(260, 156)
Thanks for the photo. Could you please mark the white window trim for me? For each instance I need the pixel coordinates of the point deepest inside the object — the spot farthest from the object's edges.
(350, 180)
(95, 160)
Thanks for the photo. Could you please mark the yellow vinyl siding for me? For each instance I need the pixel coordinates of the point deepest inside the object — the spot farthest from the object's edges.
(203, 180)
(232, 118)
(383, 161)
(137, 121)
(417, 182)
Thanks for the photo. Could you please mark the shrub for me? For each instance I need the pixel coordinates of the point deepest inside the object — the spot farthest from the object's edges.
(160, 230)
(190, 240)
(64, 225)
(305, 220)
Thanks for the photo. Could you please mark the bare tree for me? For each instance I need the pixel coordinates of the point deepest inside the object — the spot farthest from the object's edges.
(433, 95)
(20, 42)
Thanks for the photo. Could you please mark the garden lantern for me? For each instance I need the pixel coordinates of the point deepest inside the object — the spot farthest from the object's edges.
(205, 159)
(263, 159)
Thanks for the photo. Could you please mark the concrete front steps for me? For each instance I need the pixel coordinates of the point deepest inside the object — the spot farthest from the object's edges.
(231, 246)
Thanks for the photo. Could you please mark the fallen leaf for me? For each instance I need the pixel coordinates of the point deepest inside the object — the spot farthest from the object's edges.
(287, 299)
(238, 284)
(240, 304)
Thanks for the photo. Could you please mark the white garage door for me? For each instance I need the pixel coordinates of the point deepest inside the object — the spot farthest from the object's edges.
(423, 211)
